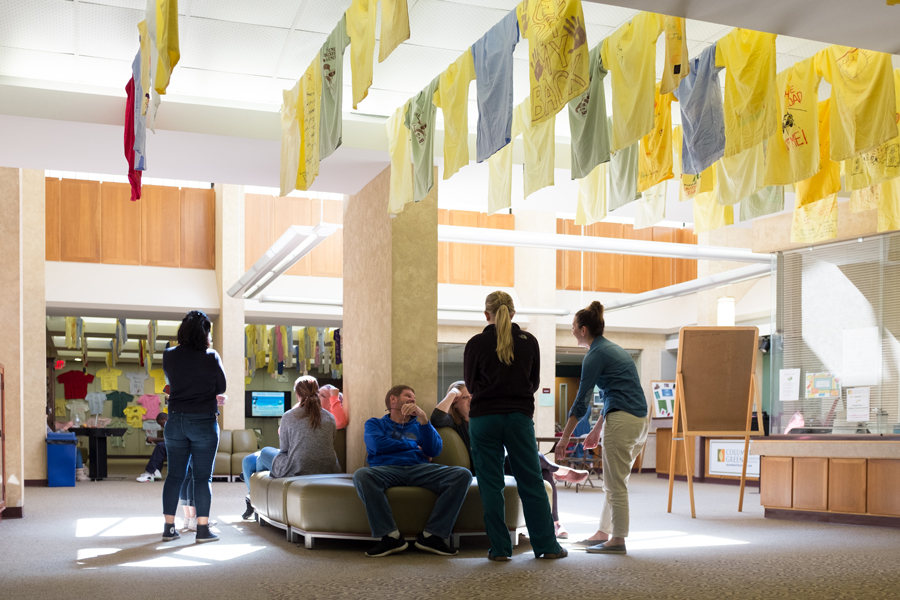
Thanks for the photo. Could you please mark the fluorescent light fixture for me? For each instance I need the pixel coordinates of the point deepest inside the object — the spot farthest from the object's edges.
(296, 243)
(558, 312)
(725, 312)
(698, 285)
(290, 300)
(581, 243)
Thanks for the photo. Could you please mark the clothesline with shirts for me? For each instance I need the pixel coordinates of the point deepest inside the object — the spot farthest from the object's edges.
(281, 348)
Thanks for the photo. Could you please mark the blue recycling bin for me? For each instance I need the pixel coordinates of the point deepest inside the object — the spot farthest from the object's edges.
(61, 449)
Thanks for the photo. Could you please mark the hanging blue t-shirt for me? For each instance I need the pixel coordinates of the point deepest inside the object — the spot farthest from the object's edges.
(702, 115)
(493, 56)
(140, 121)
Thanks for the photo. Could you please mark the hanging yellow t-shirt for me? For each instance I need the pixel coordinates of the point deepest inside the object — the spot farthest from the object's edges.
(310, 100)
(865, 199)
(559, 63)
(709, 215)
(60, 408)
(862, 89)
(792, 154)
(889, 205)
(655, 158)
(109, 379)
(539, 143)
(145, 65)
(881, 164)
(401, 190)
(815, 222)
(166, 43)
(591, 206)
(828, 180)
(394, 26)
(452, 97)
(159, 380)
(71, 329)
(134, 414)
(740, 176)
(677, 62)
(361, 20)
(500, 171)
(751, 97)
(630, 56)
(650, 208)
(291, 140)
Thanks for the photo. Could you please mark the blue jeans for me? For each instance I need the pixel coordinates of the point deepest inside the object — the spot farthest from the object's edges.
(258, 461)
(191, 439)
(187, 489)
(157, 458)
(451, 484)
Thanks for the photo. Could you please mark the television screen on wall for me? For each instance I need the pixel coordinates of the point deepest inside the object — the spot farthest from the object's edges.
(266, 404)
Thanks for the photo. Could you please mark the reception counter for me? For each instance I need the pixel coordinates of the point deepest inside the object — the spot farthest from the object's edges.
(837, 479)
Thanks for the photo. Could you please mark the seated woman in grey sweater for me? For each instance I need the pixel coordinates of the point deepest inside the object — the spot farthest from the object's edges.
(306, 437)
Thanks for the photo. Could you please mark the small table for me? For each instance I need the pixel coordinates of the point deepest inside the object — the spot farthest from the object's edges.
(97, 447)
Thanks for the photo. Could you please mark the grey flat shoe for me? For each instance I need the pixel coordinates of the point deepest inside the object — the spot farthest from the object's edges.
(604, 549)
(587, 543)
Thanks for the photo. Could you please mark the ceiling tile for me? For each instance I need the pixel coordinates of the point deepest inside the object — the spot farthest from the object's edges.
(302, 48)
(409, 68)
(104, 72)
(703, 31)
(798, 47)
(232, 47)
(140, 5)
(46, 25)
(448, 25)
(608, 16)
(228, 86)
(272, 13)
(322, 16)
(505, 5)
(108, 32)
(18, 62)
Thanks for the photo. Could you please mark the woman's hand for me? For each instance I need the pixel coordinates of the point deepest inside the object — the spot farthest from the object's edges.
(560, 451)
(593, 438)
(221, 399)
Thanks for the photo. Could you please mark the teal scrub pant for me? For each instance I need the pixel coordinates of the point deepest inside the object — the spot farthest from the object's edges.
(515, 431)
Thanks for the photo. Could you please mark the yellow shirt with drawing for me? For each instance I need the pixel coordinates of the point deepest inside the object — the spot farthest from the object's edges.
(109, 379)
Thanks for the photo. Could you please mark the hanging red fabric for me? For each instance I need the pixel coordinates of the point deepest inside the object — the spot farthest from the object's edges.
(134, 177)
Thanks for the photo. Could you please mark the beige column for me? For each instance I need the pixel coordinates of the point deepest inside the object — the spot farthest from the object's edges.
(228, 327)
(389, 330)
(536, 288)
(22, 326)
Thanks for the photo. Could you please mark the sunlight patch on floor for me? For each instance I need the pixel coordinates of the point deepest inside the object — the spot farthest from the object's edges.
(91, 527)
(663, 540)
(219, 551)
(86, 553)
(166, 562)
(133, 526)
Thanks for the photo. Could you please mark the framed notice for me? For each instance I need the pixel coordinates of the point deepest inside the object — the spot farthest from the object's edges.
(663, 398)
(726, 457)
(822, 385)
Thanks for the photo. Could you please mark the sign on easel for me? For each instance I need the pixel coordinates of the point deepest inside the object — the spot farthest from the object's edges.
(714, 393)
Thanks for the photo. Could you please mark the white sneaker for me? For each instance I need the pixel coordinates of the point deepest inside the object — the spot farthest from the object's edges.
(157, 474)
(145, 477)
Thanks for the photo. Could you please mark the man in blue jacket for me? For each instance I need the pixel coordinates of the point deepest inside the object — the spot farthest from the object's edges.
(399, 448)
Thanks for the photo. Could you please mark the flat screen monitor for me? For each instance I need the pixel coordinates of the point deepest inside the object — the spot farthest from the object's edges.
(266, 404)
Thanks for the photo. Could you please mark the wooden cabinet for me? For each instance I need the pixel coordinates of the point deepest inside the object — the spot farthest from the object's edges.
(51, 216)
(664, 453)
(160, 226)
(79, 221)
(685, 269)
(638, 269)
(810, 482)
(572, 271)
(465, 259)
(608, 269)
(776, 476)
(883, 478)
(847, 485)
(198, 228)
(121, 218)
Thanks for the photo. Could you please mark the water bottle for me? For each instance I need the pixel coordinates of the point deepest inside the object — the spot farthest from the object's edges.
(77, 420)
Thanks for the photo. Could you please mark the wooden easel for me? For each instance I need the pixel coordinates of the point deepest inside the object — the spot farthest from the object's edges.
(718, 366)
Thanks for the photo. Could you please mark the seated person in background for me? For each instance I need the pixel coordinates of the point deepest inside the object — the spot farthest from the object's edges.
(453, 412)
(151, 471)
(399, 447)
(333, 401)
(306, 440)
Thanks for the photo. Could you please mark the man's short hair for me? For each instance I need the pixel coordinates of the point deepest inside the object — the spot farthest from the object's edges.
(163, 416)
(395, 391)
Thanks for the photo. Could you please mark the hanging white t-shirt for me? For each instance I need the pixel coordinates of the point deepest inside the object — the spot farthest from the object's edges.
(137, 380)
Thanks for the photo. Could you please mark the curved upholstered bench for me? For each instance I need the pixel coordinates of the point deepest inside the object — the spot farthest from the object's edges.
(327, 506)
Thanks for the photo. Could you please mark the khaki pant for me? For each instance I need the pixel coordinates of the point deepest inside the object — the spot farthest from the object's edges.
(622, 438)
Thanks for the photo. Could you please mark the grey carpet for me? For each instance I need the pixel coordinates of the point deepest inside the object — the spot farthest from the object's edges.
(101, 540)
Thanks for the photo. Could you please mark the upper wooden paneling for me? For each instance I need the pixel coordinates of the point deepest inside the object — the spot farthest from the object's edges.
(51, 219)
(638, 269)
(160, 226)
(79, 218)
(560, 258)
(663, 268)
(465, 259)
(326, 259)
(608, 269)
(685, 269)
(572, 272)
(258, 227)
(443, 249)
(498, 263)
(121, 218)
(198, 228)
(292, 211)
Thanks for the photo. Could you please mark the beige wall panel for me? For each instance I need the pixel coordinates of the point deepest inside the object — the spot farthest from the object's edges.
(443, 249)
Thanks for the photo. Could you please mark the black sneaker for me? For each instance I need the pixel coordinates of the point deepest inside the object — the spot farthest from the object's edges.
(170, 533)
(205, 535)
(435, 545)
(248, 514)
(387, 545)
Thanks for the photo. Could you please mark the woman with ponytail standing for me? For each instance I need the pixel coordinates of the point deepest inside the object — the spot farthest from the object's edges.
(623, 423)
(306, 437)
(502, 371)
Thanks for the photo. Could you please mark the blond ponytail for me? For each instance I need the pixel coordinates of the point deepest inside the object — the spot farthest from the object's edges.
(500, 305)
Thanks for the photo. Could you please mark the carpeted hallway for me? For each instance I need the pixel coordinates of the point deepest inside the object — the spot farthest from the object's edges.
(101, 540)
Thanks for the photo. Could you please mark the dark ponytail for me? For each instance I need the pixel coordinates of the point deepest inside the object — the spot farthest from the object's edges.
(592, 318)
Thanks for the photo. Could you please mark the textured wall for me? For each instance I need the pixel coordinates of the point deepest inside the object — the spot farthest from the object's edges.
(34, 324)
(228, 327)
(414, 299)
(11, 330)
(367, 310)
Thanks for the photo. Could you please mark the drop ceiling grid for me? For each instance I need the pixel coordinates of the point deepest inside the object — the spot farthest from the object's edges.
(108, 32)
(135, 4)
(322, 16)
(302, 48)
(53, 66)
(233, 47)
(270, 13)
(44, 25)
(450, 26)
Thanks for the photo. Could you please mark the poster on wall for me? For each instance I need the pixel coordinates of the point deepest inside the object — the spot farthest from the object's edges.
(858, 404)
(822, 385)
(663, 398)
(862, 356)
(789, 385)
(726, 457)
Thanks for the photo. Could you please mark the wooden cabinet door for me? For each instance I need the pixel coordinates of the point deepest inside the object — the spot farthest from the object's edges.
(498, 263)
(810, 483)
(663, 268)
(608, 269)
(883, 487)
(121, 218)
(638, 269)
(465, 259)
(776, 476)
(79, 221)
(160, 226)
(847, 485)
(198, 228)
(51, 219)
